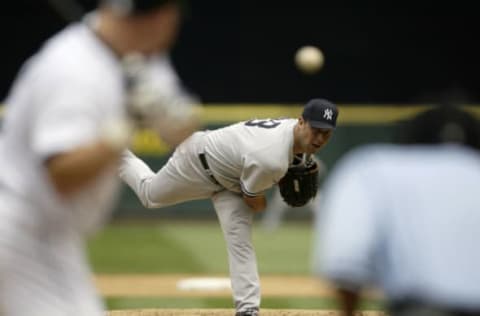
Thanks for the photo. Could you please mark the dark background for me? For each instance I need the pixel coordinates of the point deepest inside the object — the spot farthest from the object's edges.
(242, 51)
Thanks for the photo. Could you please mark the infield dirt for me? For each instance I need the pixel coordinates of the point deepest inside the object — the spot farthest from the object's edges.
(148, 285)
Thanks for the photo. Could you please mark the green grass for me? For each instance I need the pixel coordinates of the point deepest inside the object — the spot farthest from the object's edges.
(139, 249)
(116, 303)
(198, 247)
(167, 247)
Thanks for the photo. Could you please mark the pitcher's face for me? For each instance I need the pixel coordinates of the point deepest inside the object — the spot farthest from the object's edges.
(311, 139)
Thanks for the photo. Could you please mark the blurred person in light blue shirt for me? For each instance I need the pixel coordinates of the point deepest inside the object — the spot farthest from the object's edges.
(406, 218)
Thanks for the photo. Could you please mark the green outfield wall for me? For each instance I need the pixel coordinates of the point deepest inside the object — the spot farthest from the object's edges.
(357, 124)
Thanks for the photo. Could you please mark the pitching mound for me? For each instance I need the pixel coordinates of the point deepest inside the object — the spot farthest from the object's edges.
(230, 312)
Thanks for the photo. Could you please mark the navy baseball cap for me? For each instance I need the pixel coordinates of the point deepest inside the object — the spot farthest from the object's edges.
(320, 113)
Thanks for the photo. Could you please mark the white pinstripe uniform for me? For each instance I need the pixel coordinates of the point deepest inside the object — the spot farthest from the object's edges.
(246, 157)
(62, 97)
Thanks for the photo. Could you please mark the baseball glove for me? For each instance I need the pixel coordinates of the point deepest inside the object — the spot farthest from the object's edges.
(300, 183)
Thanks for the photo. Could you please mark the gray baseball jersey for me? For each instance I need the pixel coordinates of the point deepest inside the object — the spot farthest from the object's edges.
(251, 156)
(60, 101)
(247, 157)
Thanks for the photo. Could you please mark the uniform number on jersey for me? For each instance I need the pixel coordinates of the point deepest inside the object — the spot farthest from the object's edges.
(263, 123)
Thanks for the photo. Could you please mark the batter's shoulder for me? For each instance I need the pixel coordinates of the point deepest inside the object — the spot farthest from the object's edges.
(72, 57)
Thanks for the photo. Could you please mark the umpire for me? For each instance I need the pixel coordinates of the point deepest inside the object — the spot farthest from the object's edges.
(405, 218)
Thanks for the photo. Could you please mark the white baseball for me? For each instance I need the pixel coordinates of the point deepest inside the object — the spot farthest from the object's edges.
(309, 59)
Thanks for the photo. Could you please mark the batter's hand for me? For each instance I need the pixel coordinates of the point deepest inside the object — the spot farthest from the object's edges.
(174, 117)
(175, 130)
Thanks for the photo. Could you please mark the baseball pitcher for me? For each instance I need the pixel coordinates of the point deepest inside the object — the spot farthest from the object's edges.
(234, 166)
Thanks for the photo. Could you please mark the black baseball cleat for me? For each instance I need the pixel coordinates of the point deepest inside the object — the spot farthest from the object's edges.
(249, 312)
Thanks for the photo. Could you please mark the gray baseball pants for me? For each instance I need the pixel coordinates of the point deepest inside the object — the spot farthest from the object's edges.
(183, 178)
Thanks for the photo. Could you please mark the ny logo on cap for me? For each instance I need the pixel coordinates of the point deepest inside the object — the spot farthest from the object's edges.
(328, 114)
